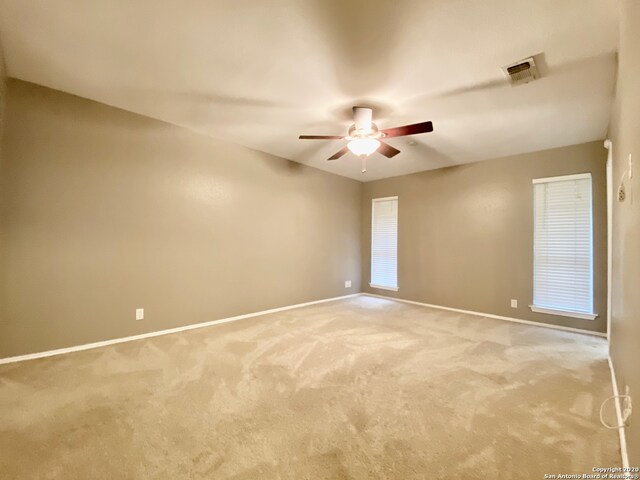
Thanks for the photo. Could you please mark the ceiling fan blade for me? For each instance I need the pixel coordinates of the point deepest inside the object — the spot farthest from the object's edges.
(387, 150)
(320, 137)
(338, 154)
(413, 129)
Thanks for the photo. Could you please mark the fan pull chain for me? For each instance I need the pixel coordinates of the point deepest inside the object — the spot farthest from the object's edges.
(364, 163)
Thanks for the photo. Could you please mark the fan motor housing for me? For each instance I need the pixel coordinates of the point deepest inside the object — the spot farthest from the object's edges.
(373, 133)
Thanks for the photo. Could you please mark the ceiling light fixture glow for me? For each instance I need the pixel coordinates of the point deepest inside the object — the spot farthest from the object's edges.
(363, 146)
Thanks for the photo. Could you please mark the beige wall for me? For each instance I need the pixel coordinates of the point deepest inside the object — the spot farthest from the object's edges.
(3, 90)
(465, 233)
(625, 134)
(103, 211)
(3, 97)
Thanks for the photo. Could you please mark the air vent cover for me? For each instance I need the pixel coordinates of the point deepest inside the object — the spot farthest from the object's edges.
(521, 72)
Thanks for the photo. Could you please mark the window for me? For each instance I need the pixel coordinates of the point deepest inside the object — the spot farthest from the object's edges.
(563, 252)
(384, 243)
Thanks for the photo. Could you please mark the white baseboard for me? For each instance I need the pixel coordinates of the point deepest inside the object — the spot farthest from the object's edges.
(621, 432)
(490, 315)
(88, 346)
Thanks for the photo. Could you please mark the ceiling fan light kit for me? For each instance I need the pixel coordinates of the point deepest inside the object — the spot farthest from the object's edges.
(363, 146)
(365, 138)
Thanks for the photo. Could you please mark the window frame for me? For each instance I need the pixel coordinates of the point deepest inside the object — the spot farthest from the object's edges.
(371, 284)
(556, 311)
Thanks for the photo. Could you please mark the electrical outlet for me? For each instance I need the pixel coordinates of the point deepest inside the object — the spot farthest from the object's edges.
(514, 303)
(139, 313)
(347, 284)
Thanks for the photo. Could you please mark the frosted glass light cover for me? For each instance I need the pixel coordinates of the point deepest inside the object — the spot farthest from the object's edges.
(363, 146)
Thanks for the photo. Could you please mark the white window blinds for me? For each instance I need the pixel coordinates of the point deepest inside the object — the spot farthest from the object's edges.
(384, 243)
(563, 257)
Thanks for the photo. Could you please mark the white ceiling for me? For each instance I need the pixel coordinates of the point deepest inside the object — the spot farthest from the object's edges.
(261, 72)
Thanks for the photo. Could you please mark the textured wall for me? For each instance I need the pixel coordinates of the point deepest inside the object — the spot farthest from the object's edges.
(103, 211)
(625, 304)
(3, 98)
(465, 233)
(3, 89)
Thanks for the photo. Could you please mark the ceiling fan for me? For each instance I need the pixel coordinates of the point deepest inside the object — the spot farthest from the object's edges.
(365, 138)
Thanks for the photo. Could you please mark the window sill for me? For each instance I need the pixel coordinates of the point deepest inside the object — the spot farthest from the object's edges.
(393, 289)
(564, 313)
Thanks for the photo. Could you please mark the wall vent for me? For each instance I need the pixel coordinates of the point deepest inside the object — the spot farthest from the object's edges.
(521, 72)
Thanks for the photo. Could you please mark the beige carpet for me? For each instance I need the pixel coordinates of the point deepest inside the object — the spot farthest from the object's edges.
(363, 388)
